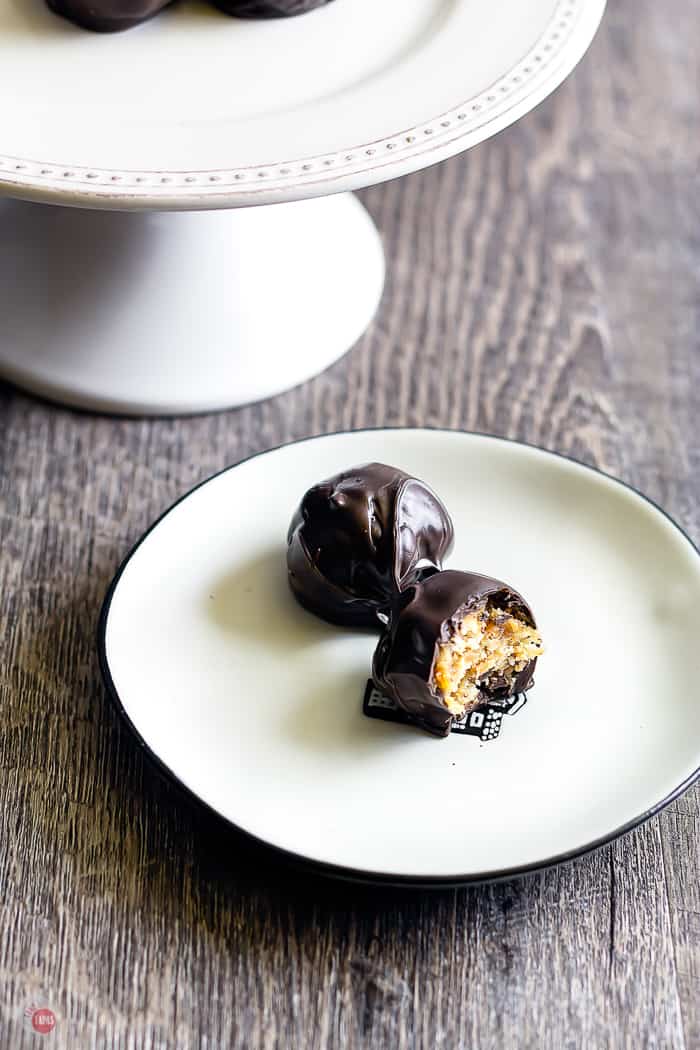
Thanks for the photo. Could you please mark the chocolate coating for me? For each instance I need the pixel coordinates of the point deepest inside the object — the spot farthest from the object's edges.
(404, 659)
(358, 538)
(107, 16)
(268, 8)
(111, 16)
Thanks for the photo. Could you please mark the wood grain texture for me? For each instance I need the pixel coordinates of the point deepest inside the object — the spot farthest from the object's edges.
(546, 286)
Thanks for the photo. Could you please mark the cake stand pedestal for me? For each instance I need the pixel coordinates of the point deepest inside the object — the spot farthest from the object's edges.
(207, 250)
(173, 312)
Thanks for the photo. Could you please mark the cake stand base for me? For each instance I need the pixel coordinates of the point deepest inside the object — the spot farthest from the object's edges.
(159, 313)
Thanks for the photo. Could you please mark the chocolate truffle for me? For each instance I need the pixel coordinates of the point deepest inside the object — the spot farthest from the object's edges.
(268, 8)
(107, 16)
(358, 538)
(456, 640)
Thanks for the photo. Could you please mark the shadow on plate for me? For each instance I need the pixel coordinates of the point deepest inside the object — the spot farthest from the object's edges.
(33, 19)
(253, 600)
(331, 721)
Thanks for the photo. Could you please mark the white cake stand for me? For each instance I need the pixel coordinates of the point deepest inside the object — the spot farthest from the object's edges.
(137, 296)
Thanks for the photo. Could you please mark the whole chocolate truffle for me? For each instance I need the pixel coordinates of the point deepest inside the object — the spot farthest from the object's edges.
(107, 16)
(456, 640)
(359, 537)
(268, 8)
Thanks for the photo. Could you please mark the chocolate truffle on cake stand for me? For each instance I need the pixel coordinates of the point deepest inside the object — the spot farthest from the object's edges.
(207, 250)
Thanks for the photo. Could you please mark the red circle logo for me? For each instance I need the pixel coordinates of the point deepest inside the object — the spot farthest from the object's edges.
(43, 1021)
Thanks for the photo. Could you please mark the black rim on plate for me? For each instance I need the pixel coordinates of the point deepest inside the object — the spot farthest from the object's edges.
(339, 871)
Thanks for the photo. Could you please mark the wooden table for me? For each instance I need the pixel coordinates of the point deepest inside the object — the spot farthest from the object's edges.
(545, 287)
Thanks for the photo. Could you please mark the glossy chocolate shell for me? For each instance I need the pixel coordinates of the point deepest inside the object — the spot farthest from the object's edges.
(107, 16)
(361, 536)
(268, 8)
(405, 657)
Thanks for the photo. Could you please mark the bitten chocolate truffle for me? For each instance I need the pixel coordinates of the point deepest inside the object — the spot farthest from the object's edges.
(107, 16)
(456, 640)
(358, 538)
(268, 8)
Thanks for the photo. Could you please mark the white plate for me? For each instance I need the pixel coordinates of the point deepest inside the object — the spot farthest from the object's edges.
(196, 109)
(255, 706)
